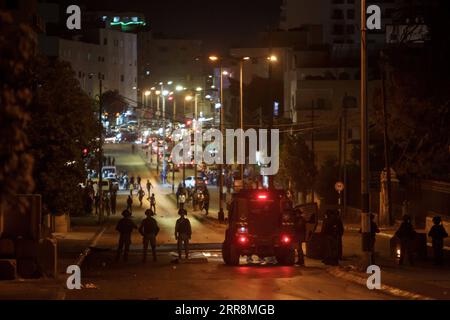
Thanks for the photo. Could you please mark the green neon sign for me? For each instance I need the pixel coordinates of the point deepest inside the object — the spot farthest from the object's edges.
(127, 23)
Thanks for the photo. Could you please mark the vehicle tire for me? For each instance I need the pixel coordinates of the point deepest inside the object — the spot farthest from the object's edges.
(230, 254)
(286, 256)
(226, 253)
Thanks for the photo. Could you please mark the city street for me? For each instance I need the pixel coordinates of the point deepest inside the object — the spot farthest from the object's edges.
(204, 275)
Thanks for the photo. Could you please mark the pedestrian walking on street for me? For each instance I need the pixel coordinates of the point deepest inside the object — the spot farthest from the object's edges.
(132, 180)
(332, 229)
(114, 161)
(106, 201)
(182, 200)
(206, 201)
(97, 202)
(407, 235)
(149, 187)
(131, 189)
(138, 180)
(130, 203)
(125, 227)
(141, 195)
(153, 203)
(149, 230)
(300, 232)
(183, 233)
(178, 193)
(438, 234)
(113, 200)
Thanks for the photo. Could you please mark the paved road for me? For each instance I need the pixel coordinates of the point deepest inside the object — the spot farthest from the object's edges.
(204, 276)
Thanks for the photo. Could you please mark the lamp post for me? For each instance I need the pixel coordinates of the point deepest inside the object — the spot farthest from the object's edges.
(100, 162)
(146, 94)
(271, 59)
(365, 214)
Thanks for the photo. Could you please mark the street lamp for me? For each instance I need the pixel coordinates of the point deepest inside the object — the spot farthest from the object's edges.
(272, 58)
(146, 94)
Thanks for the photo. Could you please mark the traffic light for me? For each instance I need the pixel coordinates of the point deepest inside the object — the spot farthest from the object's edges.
(85, 153)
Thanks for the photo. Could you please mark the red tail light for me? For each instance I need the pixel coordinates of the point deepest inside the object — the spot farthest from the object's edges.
(262, 196)
(286, 239)
(242, 239)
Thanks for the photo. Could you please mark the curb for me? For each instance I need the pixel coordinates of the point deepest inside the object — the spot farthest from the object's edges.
(390, 290)
(390, 235)
(87, 251)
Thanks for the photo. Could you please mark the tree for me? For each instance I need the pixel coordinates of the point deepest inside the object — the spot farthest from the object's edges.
(113, 103)
(417, 96)
(326, 179)
(17, 49)
(297, 165)
(63, 125)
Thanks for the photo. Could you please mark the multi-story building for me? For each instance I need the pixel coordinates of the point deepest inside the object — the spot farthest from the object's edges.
(340, 19)
(281, 68)
(177, 60)
(99, 51)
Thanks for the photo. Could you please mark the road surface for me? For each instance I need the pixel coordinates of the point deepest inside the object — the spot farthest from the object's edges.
(204, 275)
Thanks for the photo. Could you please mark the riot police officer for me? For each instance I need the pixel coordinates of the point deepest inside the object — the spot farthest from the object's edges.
(125, 227)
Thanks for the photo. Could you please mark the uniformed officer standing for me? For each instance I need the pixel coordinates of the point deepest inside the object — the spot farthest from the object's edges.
(407, 236)
(149, 230)
(183, 232)
(438, 234)
(125, 227)
(300, 231)
(332, 229)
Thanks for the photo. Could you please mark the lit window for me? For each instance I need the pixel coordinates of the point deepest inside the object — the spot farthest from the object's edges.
(135, 19)
(116, 19)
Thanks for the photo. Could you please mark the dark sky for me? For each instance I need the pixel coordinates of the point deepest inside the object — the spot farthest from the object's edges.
(218, 22)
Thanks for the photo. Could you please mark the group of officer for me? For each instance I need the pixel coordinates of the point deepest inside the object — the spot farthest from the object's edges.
(332, 231)
(149, 229)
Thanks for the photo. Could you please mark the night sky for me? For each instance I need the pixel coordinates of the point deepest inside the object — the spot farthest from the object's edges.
(219, 23)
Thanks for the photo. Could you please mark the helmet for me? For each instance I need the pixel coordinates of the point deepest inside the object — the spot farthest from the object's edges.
(126, 213)
(437, 219)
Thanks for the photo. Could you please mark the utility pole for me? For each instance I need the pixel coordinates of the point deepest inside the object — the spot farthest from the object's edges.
(387, 159)
(312, 146)
(365, 214)
(269, 144)
(173, 129)
(195, 131)
(344, 155)
(221, 214)
(340, 160)
(241, 91)
(100, 162)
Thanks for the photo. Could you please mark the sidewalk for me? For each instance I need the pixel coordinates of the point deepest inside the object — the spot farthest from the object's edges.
(69, 245)
(422, 279)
